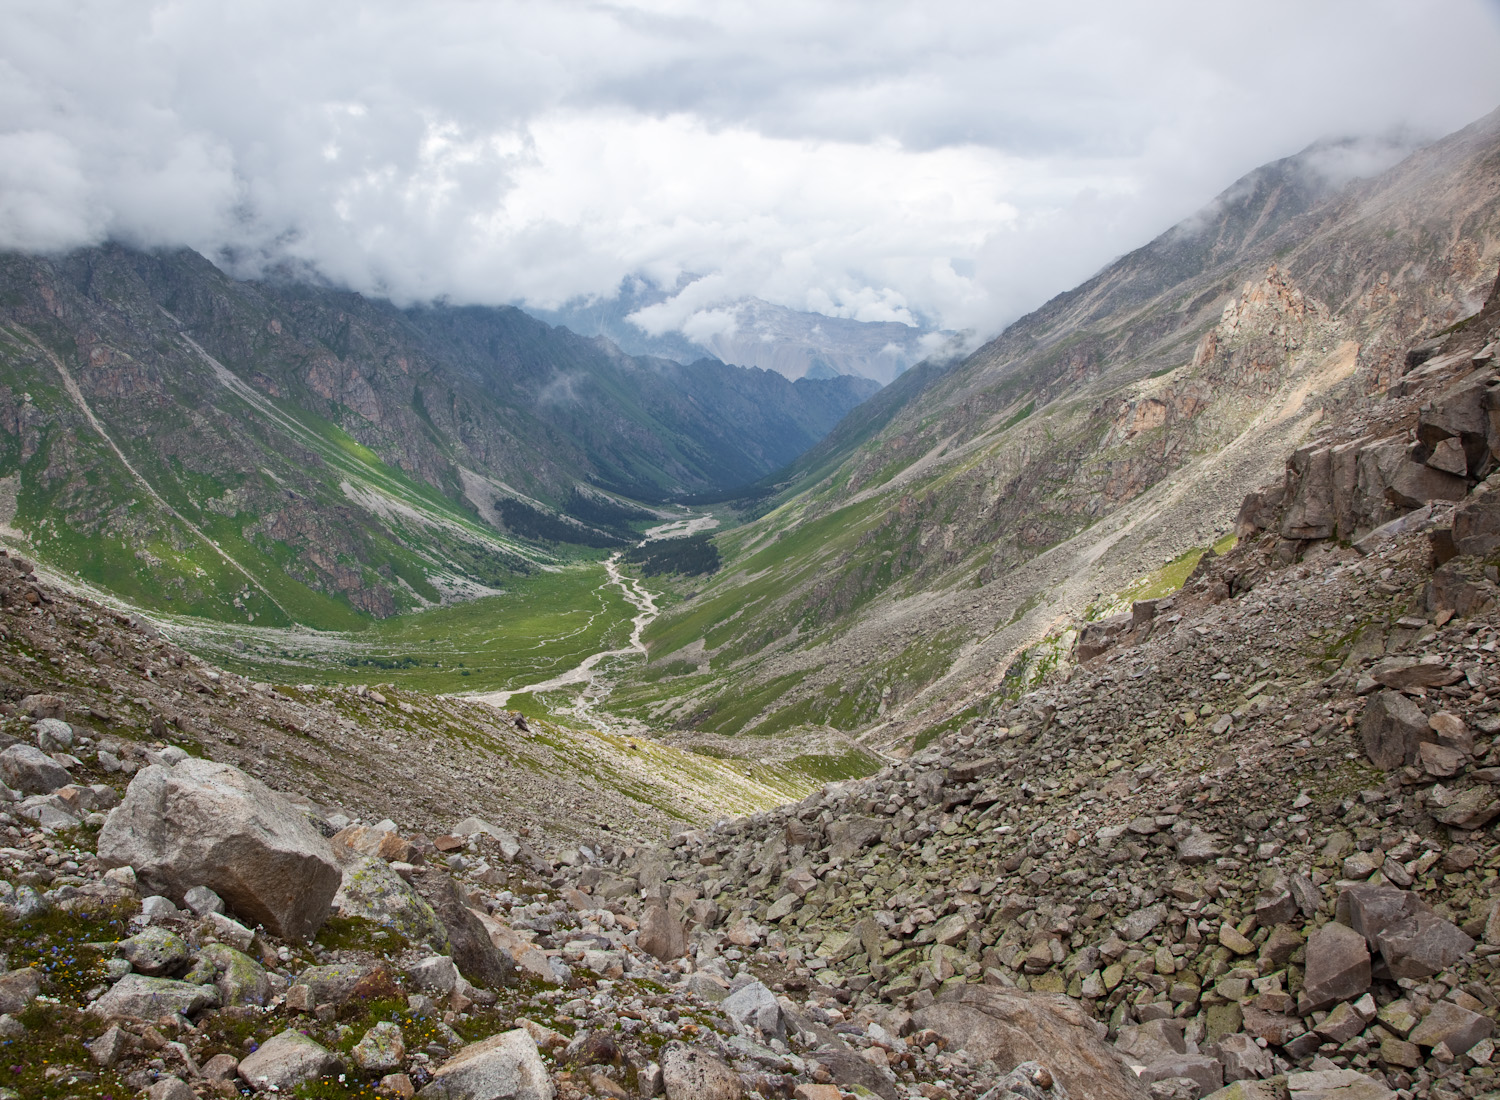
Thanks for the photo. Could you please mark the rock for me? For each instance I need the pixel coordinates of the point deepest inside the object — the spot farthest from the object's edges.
(1374, 908)
(1439, 761)
(854, 1073)
(231, 932)
(1456, 1027)
(19, 988)
(1342, 1023)
(1275, 905)
(335, 983)
(31, 771)
(436, 974)
(1469, 809)
(1338, 966)
(848, 835)
(1206, 1072)
(1414, 672)
(285, 1061)
(1399, 1018)
(661, 935)
(1230, 937)
(152, 998)
(691, 1073)
(1152, 1041)
(170, 1088)
(381, 1050)
(1336, 1084)
(1280, 945)
(1141, 923)
(1392, 727)
(504, 1067)
(1249, 1090)
(156, 951)
(473, 953)
(370, 889)
(239, 979)
(1243, 1059)
(203, 901)
(108, 1048)
(202, 823)
(43, 706)
(1010, 1027)
(1199, 847)
(221, 1067)
(755, 1006)
(53, 735)
(1168, 1088)
(398, 1086)
(1422, 945)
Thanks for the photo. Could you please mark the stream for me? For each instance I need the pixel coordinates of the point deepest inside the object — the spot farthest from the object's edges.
(587, 671)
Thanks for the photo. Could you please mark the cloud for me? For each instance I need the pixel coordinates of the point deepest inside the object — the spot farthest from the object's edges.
(945, 161)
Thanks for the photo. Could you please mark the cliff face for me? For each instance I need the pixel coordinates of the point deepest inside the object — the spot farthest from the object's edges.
(283, 452)
(948, 524)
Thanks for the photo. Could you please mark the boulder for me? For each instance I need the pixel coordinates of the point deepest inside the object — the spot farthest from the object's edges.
(152, 998)
(1335, 1084)
(1473, 808)
(156, 951)
(53, 735)
(44, 706)
(1392, 727)
(239, 979)
(1452, 1025)
(1421, 945)
(1207, 1073)
(1338, 966)
(18, 988)
(854, 1073)
(850, 834)
(435, 974)
(754, 1007)
(661, 934)
(370, 889)
(381, 1050)
(1243, 1059)
(29, 770)
(504, 1067)
(1414, 672)
(209, 824)
(285, 1061)
(170, 1088)
(692, 1073)
(1009, 1027)
(1371, 909)
(333, 983)
(473, 953)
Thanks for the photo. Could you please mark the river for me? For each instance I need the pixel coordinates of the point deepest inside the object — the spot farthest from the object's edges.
(587, 671)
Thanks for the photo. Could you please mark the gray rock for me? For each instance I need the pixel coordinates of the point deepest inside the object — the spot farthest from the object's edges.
(847, 836)
(476, 957)
(1207, 1072)
(661, 934)
(107, 1049)
(31, 771)
(156, 951)
(202, 823)
(1338, 966)
(435, 974)
(1422, 945)
(18, 988)
(1034, 1081)
(53, 735)
(285, 1061)
(1336, 1084)
(1449, 1023)
(505, 1067)
(149, 998)
(1473, 808)
(755, 1007)
(239, 979)
(381, 1050)
(853, 1072)
(156, 907)
(333, 983)
(202, 901)
(1141, 923)
(1199, 847)
(1009, 1027)
(170, 1088)
(372, 890)
(692, 1073)
(1374, 908)
(1243, 1059)
(1392, 727)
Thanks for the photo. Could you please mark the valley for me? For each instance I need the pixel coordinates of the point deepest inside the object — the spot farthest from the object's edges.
(1109, 712)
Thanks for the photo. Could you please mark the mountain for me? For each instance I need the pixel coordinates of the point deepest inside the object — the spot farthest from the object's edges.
(969, 510)
(278, 452)
(755, 333)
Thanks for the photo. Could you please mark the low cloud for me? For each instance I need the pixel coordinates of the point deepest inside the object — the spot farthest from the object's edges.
(944, 162)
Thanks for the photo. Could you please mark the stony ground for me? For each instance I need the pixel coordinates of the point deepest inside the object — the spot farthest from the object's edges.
(1249, 844)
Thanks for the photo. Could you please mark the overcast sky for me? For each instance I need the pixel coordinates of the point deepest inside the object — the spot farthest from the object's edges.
(955, 161)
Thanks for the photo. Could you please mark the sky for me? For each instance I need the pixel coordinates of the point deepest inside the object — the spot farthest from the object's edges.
(949, 163)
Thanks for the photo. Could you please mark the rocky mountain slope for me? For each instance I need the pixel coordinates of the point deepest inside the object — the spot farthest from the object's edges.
(963, 515)
(279, 453)
(1245, 847)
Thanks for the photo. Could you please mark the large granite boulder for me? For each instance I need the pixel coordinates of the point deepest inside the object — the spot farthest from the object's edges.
(504, 1067)
(206, 824)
